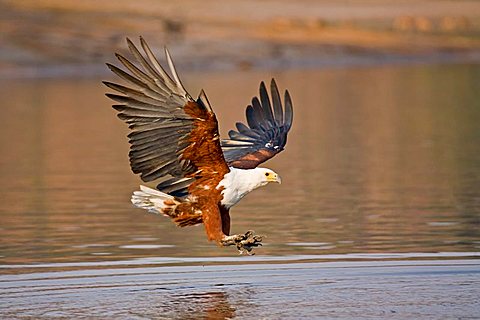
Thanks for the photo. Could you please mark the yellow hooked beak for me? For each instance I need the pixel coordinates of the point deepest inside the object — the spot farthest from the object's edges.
(274, 178)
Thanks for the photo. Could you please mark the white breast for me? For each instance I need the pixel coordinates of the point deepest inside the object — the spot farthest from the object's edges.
(237, 184)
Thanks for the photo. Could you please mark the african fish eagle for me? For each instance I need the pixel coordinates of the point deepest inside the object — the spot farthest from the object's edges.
(175, 138)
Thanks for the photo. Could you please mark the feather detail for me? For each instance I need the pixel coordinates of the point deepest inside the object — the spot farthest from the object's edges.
(266, 133)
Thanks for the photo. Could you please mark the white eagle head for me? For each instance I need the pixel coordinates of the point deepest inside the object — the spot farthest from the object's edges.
(239, 182)
(262, 176)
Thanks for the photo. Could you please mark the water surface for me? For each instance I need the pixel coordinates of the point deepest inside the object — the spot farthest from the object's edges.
(399, 290)
(382, 163)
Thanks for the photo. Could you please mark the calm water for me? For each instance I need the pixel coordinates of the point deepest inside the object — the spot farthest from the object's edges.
(382, 165)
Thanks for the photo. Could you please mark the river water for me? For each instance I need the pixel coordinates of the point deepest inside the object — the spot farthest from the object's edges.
(378, 214)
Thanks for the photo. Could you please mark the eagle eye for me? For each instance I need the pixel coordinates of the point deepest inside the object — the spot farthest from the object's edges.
(267, 174)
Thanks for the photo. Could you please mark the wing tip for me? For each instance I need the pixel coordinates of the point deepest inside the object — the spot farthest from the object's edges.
(174, 73)
(262, 86)
(204, 100)
(129, 42)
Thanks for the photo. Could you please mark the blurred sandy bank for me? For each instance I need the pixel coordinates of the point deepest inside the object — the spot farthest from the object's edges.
(62, 37)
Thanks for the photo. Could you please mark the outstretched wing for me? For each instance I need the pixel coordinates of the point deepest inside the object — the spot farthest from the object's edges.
(172, 135)
(266, 133)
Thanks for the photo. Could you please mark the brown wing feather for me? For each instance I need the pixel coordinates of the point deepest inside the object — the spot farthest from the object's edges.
(172, 134)
(206, 154)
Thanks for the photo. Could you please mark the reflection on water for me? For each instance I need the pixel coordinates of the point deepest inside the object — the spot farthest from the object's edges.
(344, 290)
(381, 159)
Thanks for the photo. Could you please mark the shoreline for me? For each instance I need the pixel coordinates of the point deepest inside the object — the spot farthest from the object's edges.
(64, 38)
(86, 71)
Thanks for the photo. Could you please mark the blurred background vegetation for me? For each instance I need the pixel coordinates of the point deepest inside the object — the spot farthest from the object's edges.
(58, 37)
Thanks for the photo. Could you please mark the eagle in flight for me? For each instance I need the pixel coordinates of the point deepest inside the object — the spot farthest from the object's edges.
(175, 138)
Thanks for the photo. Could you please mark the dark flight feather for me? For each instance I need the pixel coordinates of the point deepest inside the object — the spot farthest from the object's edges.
(266, 133)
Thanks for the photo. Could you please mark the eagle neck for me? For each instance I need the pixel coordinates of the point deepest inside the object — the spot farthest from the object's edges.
(238, 183)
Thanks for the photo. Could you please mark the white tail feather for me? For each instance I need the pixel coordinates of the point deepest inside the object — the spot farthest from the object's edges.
(151, 199)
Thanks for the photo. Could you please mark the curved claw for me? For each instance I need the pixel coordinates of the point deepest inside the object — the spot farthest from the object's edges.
(244, 242)
(249, 234)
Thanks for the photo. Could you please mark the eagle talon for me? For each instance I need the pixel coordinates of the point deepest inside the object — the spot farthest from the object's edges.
(249, 234)
(244, 242)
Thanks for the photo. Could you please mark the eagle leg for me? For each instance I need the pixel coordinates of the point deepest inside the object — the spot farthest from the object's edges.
(244, 242)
